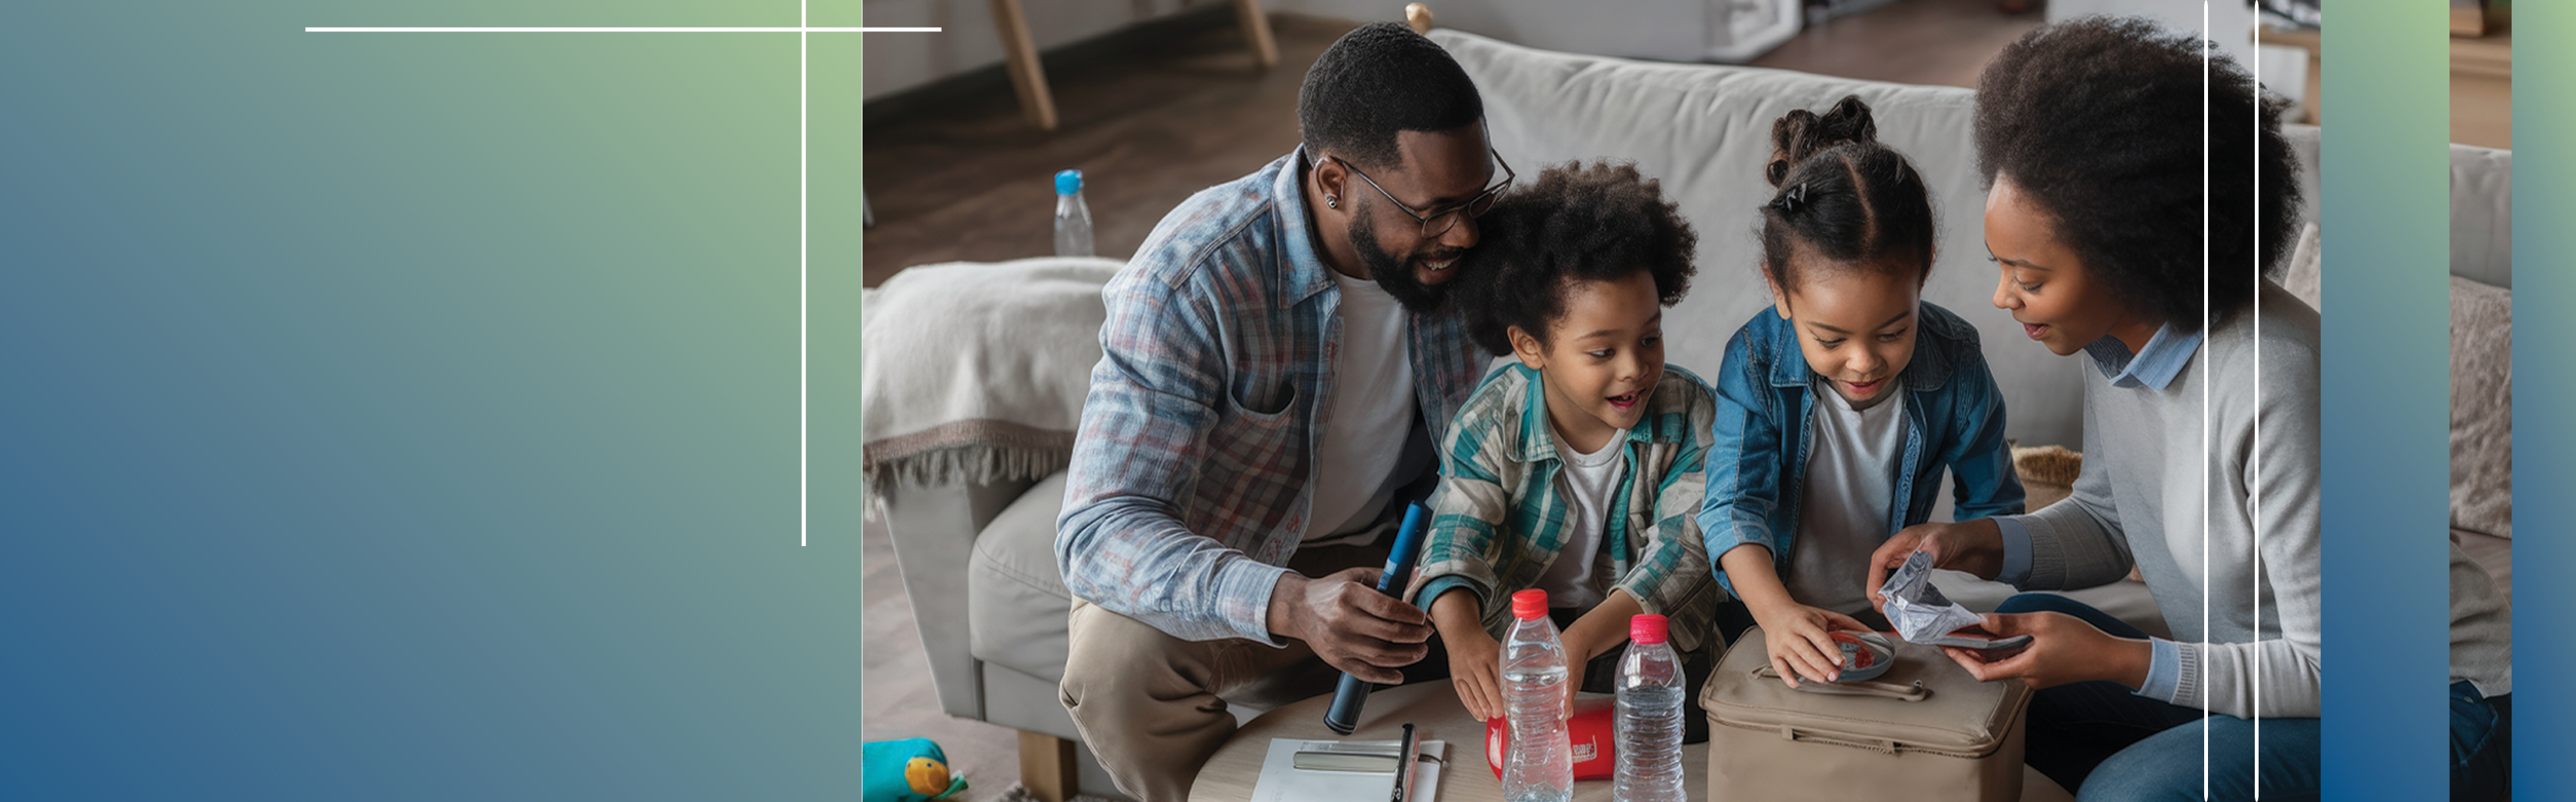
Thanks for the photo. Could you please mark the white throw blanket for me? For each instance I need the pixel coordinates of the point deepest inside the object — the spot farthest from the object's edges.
(974, 372)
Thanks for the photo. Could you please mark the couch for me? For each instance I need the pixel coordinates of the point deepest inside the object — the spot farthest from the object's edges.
(985, 547)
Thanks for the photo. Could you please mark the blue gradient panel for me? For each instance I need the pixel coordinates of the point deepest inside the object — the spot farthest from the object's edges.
(2544, 440)
(415, 416)
(2385, 217)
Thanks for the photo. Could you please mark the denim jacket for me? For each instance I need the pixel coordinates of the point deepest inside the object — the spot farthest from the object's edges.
(1757, 464)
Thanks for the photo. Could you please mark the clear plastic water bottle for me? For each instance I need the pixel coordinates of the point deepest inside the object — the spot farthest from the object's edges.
(1540, 767)
(1649, 722)
(1072, 216)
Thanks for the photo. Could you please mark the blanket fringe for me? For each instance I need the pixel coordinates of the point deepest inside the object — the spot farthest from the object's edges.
(967, 464)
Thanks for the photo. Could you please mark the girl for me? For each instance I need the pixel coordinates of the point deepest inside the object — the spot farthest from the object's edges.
(1840, 406)
(1576, 469)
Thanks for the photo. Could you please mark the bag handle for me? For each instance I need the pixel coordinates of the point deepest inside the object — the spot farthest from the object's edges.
(1903, 693)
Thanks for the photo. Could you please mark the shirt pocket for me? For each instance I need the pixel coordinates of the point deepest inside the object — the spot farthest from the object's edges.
(1263, 402)
(1254, 473)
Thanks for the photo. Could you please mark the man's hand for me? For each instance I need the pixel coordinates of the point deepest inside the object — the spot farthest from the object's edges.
(1349, 624)
(1976, 547)
(1796, 635)
(2062, 649)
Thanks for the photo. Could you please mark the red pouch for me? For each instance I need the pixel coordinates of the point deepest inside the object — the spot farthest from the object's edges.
(1589, 731)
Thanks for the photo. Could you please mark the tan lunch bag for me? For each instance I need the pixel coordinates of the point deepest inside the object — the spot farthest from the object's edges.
(1925, 727)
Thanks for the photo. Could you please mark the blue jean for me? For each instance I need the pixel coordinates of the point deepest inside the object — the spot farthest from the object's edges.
(2107, 743)
(2481, 745)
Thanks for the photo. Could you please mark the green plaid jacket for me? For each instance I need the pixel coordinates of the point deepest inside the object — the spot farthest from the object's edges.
(1500, 515)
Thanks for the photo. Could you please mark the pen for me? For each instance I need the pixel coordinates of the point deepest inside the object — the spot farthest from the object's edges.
(1403, 765)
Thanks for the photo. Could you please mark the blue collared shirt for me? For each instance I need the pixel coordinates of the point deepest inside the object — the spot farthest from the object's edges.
(1194, 468)
(2153, 368)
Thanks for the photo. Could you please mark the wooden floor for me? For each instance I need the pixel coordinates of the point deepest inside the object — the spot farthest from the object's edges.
(896, 699)
(1939, 42)
(975, 182)
(972, 181)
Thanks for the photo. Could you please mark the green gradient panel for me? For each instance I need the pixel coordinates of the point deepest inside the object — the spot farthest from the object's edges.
(412, 416)
(837, 206)
(2544, 201)
(2385, 216)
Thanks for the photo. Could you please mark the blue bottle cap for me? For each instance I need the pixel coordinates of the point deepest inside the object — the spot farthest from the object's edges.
(1068, 182)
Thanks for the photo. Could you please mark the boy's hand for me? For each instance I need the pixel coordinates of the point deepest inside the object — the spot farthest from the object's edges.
(1576, 659)
(1976, 547)
(1476, 666)
(1796, 636)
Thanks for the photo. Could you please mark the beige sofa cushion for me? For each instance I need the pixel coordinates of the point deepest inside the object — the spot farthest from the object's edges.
(1016, 603)
(2481, 408)
(1704, 132)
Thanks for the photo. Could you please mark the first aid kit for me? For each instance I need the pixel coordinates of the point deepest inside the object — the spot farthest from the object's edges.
(1922, 724)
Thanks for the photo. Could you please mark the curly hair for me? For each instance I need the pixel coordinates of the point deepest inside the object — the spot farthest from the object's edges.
(1375, 81)
(1575, 222)
(2099, 121)
(1843, 195)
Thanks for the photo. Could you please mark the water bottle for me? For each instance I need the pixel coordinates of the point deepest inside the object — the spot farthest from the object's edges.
(1649, 721)
(1072, 216)
(1540, 767)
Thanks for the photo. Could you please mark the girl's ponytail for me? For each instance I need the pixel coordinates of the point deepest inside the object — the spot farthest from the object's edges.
(1841, 194)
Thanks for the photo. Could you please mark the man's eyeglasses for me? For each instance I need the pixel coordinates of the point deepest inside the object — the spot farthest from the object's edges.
(1438, 221)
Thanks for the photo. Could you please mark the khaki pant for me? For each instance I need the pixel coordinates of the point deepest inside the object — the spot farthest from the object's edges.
(1153, 706)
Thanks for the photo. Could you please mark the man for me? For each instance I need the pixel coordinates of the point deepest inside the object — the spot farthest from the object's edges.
(1279, 359)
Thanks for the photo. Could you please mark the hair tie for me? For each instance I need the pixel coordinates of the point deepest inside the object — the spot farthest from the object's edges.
(1792, 198)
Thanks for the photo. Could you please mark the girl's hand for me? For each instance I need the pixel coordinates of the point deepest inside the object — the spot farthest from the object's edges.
(2062, 649)
(1796, 635)
(1476, 666)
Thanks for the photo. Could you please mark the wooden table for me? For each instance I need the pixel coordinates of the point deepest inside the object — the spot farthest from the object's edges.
(1433, 708)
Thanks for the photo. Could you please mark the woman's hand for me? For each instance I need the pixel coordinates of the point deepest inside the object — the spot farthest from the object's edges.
(2062, 649)
(1976, 547)
(1797, 637)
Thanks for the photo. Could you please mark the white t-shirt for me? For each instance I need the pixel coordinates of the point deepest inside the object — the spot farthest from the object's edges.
(1590, 483)
(1372, 413)
(1850, 486)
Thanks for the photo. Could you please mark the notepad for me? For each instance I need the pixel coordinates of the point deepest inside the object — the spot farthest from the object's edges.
(1368, 779)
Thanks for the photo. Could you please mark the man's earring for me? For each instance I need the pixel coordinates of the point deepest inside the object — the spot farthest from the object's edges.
(1331, 202)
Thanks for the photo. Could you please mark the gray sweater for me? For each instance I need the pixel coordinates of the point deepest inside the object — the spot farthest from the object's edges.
(2141, 496)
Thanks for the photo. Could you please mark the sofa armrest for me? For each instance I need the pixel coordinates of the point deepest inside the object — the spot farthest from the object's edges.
(934, 530)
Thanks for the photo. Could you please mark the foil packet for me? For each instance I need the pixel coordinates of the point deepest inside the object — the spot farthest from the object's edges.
(1917, 610)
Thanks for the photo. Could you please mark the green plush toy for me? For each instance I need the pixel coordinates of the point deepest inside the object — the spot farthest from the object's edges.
(909, 770)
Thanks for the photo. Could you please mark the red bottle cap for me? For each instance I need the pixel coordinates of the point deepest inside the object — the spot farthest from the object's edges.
(1646, 629)
(1529, 604)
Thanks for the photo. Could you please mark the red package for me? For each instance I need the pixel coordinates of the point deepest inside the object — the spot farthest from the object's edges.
(1589, 731)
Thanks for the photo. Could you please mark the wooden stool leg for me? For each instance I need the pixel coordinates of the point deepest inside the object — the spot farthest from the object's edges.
(1028, 77)
(1256, 31)
(1047, 764)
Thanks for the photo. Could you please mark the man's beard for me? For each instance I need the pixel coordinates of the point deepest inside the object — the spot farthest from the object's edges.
(1390, 272)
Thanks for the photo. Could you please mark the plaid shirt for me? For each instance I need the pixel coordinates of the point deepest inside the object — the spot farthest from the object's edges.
(1192, 472)
(1500, 516)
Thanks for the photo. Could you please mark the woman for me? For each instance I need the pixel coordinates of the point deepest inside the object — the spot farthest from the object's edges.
(2091, 136)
